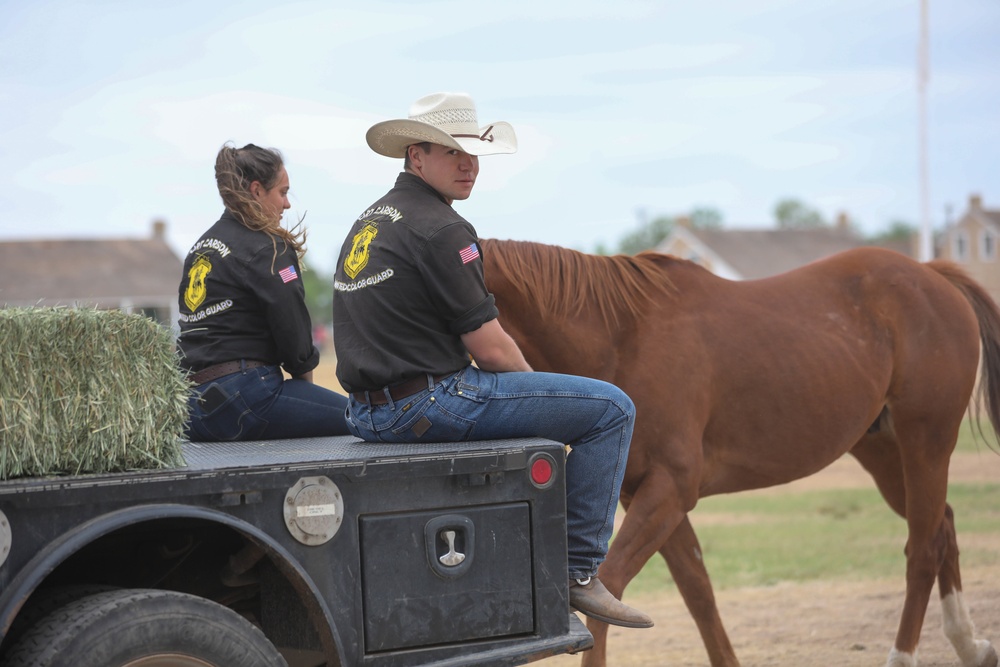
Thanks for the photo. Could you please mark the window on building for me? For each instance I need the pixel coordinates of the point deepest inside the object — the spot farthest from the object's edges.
(988, 246)
(960, 246)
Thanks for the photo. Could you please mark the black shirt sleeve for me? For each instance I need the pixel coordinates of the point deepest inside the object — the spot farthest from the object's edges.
(452, 268)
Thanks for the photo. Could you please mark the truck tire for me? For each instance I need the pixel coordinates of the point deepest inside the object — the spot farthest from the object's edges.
(43, 602)
(151, 628)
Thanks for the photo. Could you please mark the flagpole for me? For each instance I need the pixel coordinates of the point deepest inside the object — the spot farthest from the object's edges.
(923, 76)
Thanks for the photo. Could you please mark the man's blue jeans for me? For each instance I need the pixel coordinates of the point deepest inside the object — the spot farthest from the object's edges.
(593, 417)
(259, 404)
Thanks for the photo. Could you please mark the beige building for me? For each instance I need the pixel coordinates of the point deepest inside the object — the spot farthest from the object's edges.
(135, 275)
(971, 241)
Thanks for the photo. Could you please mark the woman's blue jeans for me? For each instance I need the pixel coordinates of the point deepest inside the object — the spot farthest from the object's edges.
(593, 417)
(259, 404)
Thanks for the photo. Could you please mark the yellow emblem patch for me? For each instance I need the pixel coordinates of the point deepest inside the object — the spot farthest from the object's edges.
(358, 257)
(197, 290)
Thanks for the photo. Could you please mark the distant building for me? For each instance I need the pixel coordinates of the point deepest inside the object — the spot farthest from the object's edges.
(135, 275)
(747, 254)
(972, 241)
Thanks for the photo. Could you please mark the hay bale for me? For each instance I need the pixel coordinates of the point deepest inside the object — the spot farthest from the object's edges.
(87, 391)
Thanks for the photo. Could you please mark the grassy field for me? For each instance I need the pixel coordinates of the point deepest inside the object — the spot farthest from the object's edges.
(750, 540)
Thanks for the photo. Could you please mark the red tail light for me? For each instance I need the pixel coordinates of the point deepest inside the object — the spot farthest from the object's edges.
(542, 469)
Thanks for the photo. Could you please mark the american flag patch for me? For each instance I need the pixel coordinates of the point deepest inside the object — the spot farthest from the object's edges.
(288, 274)
(469, 254)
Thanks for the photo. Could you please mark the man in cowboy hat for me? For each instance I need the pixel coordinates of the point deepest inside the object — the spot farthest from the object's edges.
(410, 306)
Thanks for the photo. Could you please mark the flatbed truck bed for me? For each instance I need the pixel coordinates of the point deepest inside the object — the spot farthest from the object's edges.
(340, 552)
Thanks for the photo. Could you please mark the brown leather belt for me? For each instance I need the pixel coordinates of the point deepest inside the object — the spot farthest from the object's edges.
(225, 368)
(397, 391)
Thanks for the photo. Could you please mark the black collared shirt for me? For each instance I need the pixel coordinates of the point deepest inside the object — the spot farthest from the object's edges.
(238, 300)
(409, 283)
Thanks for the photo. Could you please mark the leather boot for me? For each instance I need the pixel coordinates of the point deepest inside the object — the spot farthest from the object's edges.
(591, 598)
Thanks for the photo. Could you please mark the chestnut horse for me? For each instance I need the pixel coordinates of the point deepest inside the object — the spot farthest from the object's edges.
(743, 385)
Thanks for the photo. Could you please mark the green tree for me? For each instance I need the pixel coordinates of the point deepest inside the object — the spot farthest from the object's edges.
(704, 217)
(898, 230)
(651, 234)
(647, 236)
(319, 294)
(793, 214)
(602, 249)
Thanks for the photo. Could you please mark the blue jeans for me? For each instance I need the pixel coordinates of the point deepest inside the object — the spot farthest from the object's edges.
(259, 404)
(593, 417)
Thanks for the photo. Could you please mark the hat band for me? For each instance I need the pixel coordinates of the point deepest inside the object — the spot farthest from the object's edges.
(483, 137)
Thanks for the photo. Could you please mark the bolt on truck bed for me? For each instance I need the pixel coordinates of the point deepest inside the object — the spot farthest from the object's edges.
(341, 552)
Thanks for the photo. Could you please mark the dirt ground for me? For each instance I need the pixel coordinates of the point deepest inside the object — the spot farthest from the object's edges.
(821, 624)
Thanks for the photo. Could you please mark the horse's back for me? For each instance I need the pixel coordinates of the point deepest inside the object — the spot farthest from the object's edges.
(813, 356)
(897, 291)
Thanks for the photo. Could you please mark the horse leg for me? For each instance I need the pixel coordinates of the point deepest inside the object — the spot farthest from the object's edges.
(653, 513)
(958, 626)
(683, 555)
(684, 558)
(880, 455)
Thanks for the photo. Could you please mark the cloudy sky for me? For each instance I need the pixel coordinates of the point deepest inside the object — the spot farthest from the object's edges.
(112, 112)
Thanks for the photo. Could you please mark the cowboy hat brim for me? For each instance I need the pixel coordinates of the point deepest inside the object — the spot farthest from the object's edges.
(391, 137)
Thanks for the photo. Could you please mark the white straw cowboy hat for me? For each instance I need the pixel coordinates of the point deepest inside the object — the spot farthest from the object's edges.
(448, 119)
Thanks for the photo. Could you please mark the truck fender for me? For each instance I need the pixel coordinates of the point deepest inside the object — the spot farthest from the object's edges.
(34, 573)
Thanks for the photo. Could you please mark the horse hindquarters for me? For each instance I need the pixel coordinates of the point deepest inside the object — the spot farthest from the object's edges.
(908, 457)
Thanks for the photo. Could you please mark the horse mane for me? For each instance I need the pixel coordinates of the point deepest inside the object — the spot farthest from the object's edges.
(565, 282)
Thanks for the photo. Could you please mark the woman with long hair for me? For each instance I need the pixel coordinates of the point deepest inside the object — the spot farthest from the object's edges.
(243, 315)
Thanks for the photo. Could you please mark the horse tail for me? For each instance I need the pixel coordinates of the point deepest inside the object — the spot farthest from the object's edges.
(988, 315)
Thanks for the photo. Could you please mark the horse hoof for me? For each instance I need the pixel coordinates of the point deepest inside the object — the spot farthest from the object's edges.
(989, 657)
(900, 659)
